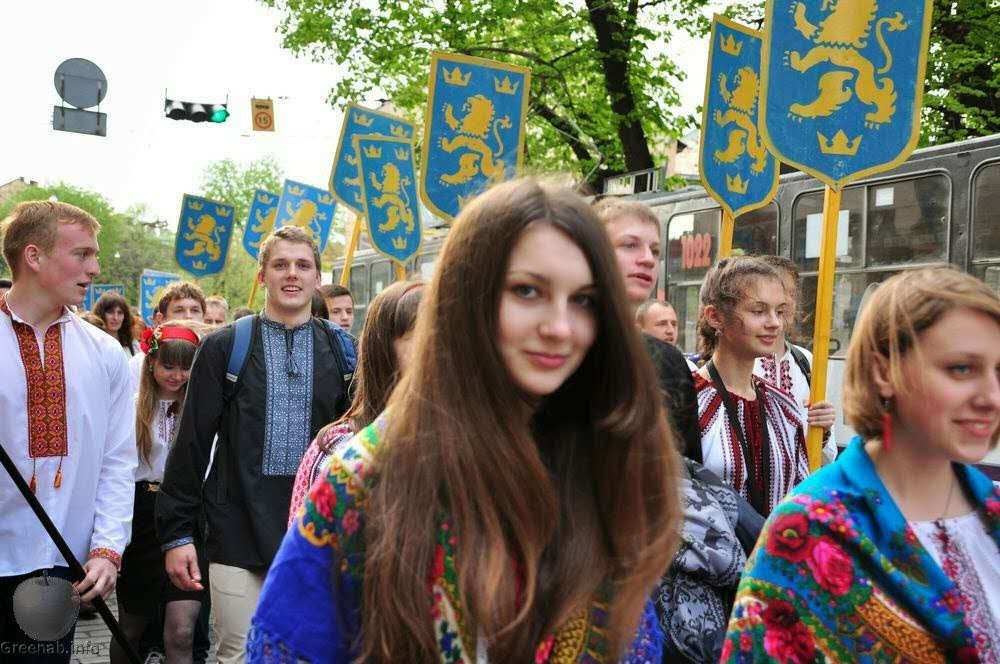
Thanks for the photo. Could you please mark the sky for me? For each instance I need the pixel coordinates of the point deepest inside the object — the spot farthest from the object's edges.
(196, 50)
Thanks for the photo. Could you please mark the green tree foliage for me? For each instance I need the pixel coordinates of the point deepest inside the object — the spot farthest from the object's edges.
(127, 245)
(603, 91)
(229, 182)
(962, 84)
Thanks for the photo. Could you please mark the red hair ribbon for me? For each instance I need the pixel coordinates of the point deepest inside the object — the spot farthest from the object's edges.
(151, 338)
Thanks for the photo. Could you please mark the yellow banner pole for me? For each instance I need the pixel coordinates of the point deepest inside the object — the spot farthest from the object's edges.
(400, 271)
(726, 235)
(253, 292)
(352, 245)
(824, 317)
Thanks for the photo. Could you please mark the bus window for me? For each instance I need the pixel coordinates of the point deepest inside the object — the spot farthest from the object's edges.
(425, 267)
(358, 285)
(685, 301)
(908, 221)
(381, 276)
(986, 203)
(848, 293)
(756, 232)
(692, 244)
(807, 224)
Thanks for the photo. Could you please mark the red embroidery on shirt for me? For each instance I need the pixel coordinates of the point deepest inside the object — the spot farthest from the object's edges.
(47, 435)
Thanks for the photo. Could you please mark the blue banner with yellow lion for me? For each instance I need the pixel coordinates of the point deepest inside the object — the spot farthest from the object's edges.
(473, 128)
(843, 84)
(736, 168)
(203, 235)
(345, 178)
(310, 208)
(95, 291)
(260, 221)
(389, 192)
(151, 283)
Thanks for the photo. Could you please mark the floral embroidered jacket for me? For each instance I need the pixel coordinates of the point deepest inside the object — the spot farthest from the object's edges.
(310, 606)
(839, 576)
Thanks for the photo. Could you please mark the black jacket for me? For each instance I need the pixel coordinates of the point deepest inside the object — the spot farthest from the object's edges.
(246, 513)
(677, 384)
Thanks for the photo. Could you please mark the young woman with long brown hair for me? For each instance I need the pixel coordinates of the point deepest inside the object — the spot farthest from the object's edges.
(383, 354)
(112, 308)
(517, 502)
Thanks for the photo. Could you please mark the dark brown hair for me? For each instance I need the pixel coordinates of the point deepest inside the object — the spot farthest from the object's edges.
(292, 234)
(109, 301)
(575, 494)
(179, 290)
(329, 291)
(725, 285)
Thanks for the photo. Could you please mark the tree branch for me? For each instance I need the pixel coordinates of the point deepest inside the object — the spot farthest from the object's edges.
(566, 130)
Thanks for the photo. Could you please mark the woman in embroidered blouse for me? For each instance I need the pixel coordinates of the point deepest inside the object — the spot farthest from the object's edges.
(143, 586)
(383, 354)
(751, 433)
(112, 308)
(892, 553)
(517, 502)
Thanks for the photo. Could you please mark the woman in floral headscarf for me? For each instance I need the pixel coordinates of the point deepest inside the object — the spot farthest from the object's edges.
(893, 552)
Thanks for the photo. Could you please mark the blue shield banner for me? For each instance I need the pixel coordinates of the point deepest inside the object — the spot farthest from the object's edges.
(389, 192)
(736, 168)
(94, 292)
(473, 129)
(345, 182)
(203, 235)
(260, 221)
(151, 282)
(307, 207)
(843, 84)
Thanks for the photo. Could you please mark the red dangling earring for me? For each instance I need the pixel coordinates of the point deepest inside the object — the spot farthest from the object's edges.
(886, 426)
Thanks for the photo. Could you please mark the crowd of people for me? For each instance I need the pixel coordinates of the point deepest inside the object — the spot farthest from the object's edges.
(513, 462)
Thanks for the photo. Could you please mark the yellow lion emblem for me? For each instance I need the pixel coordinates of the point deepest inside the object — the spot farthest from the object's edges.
(392, 194)
(473, 132)
(743, 138)
(837, 39)
(263, 227)
(204, 236)
(304, 217)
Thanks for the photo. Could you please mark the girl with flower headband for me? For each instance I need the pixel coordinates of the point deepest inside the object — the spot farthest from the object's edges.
(143, 586)
(892, 553)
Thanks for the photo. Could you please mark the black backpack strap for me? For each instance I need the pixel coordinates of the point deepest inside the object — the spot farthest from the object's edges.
(803, 362)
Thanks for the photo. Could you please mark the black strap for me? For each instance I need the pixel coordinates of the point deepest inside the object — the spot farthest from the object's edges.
(800, 359)
(758, 496)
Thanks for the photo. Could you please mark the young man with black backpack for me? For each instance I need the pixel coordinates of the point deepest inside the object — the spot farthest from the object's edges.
(259, 391)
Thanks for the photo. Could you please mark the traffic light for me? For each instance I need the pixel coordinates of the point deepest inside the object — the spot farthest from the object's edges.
(186, 110)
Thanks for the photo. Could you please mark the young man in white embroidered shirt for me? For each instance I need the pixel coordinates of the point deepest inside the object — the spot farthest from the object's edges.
(66, 418)
(792, 372)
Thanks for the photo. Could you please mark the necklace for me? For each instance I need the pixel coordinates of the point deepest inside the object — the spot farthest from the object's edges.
(948, 561)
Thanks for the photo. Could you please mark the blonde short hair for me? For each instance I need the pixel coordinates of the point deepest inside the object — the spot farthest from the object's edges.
(36, 222)
(610, 209)
(288, 234)
(899, 310)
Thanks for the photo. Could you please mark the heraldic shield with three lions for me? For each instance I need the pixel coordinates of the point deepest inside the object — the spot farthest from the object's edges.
(474, 129)
(203, 234)
(842, 84)
(736, 167)
(389, 192)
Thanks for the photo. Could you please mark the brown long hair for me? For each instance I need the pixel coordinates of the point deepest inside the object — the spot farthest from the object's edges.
(112, 300)
(171, 352)
(578, 493)
(391, 315)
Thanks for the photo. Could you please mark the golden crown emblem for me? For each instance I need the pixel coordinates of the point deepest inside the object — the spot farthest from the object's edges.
(199, 265)
(399, 243)
(223, 213)
(264, 199)
(363, 120)
(839, 145)
(351, 159)
(196, 205)
(506, 87)
(402, 154)
(737, 184)
(324, 199)
(319, 217)
(296, 191)
(373, 152)
(399, 131)
(454, 77)
(729, 45)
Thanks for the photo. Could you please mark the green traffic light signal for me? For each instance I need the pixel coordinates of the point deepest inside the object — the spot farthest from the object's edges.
(219, 113)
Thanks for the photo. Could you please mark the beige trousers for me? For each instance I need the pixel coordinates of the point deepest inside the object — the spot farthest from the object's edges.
(234, 598)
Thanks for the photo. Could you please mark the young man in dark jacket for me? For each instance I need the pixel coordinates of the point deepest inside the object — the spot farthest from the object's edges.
(239, 443)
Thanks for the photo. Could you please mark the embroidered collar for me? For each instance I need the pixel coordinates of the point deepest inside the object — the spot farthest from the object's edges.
(281, 326)
(66, 316)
